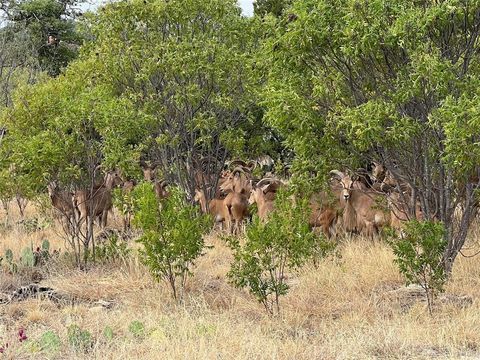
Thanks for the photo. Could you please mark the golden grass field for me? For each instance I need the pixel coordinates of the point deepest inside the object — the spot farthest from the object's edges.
(338, 310)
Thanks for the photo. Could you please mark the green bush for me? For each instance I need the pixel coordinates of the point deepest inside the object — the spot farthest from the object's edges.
(419, 256)
(283, 243)
(112, 249)
(172, 237)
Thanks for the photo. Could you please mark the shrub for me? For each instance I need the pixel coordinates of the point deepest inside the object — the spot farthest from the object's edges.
(283, 243)
(112, 249)
(419, 256)
(172, 238)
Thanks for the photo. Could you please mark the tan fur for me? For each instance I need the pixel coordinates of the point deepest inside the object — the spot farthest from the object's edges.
(216, 207)
(237, 206)
(362, 213)
(264, 201)
(99, 202)
(237, 181)
(61, 200)
(324, 214)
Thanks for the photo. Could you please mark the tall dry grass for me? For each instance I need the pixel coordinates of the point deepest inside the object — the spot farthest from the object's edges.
(337, 310)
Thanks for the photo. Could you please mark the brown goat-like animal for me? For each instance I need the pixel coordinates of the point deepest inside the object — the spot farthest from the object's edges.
(216, 207)
(263, 194)
(239, 181)
(237, 206)
(160, 186)
(323, 214)
(99, 202)
(61, 201)
(361, 212)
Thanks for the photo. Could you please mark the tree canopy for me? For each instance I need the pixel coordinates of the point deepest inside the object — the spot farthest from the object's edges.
(186, 84)
(394, 82)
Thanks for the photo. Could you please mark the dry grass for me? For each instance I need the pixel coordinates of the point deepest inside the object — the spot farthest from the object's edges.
(335, 311)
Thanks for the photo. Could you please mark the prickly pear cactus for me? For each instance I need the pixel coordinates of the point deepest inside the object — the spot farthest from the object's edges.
(28, 258)
(9, 256)
(45, 245)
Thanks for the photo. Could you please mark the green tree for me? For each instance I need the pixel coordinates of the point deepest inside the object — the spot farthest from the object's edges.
(283, 243)
(419, 255)
(63, 129)
(396, 82)
(274, 7)
(172, 238)
(172, 82)
(51, 29)
(188, 65)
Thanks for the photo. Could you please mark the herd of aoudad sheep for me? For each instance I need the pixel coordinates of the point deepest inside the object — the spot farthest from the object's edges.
(355, 202)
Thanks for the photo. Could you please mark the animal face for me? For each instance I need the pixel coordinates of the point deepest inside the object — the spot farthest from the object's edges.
(254, 194)
(236, 182)
(198, 196)
(148, 173)
(113, 179)
(347, 186)
(229, 183)
(378, 172)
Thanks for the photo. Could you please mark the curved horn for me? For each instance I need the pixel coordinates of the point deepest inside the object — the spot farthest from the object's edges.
(163, 183)
(268, 181)
(337, 173)
(252, 165)
(240, 169)
(236, 163)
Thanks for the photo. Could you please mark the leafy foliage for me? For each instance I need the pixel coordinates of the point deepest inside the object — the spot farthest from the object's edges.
(137, 328)
(172, 237)
(108, 333)
(349, 82)
(419, 254)
(51, 29)
(187, 65)
(283, 243)
(274, 7)
(112, 249)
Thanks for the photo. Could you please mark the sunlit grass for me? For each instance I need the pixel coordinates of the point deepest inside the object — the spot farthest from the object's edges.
(336, 310)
